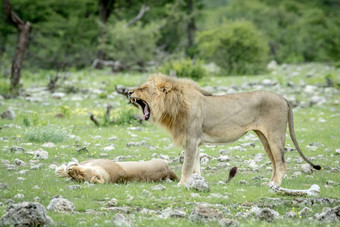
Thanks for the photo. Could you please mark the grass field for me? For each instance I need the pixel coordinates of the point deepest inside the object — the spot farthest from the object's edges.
(90, 91)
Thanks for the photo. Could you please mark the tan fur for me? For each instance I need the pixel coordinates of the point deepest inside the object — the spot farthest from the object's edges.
(194, 116)
(107, 171)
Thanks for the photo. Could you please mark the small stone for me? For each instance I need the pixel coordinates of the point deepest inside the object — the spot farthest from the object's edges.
(74, 187)
(205, 214)
(25, 214)
(58, 95)
(223, 158)
(165, 157)
(4, 186)
(228, 222)
(121, 220)
(48, 145)
(40, 154)
(109, 148)
(129, 198)
(112, 203)
(146, 192)
(36, 187)
(205, 160)
(158, 187)
(59, 204)
(267, 214)
(224, 151)
(296, 174)
(8, 114)
(290, 214)
(195, 195)
(19, 196)
(306, 168)
(19, 162)
(17, 149)
(82, 149)
(329, 182)
(329, 215)
(305, 211)
(36, 199)
(337, 151)
(197, 182)
(259, 157)
(243, 182)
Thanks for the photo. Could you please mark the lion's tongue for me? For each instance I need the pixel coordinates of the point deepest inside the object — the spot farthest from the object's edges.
(146, 112)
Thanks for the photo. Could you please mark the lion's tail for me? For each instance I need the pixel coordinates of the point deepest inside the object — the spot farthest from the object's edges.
(293, 137)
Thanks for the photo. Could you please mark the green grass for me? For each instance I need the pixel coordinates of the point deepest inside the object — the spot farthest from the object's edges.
(38, 124)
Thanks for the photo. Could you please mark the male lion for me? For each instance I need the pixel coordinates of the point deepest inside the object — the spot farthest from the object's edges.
(194, 116)
(107, 171)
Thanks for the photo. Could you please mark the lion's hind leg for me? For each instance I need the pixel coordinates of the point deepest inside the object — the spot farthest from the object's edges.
(265, 144)
(276, 143)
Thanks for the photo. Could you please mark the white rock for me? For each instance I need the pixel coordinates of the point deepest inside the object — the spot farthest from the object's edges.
(306, 168)
(48, 145)
(223, 158)
(40, 154)
(197, 182)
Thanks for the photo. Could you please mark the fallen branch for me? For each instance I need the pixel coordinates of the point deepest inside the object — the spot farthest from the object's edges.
(314, 190)
(141, 13)
(94, 120)
(116, 66)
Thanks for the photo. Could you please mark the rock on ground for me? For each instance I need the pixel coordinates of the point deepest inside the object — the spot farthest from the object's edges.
(228, 222)
(265, 214)
(25, 214)
(306, 168)
(8, 114)
(329, 215)
(58, 203)
(204, 214)
(40, 154)
(121, 220)
(197, 182)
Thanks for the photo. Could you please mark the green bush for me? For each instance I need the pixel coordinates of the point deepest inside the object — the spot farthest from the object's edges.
(184, 68)
(133, 45)
(42, 134)
(4, 87)
(237, 47)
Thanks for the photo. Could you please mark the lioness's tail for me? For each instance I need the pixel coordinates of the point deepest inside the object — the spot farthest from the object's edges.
(173, 176)
(293, 137)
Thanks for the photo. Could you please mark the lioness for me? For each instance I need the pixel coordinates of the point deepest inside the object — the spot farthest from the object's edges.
(107, 171)
(194, 116)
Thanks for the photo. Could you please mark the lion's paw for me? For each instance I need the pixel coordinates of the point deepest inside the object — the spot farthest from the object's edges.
(76, 172)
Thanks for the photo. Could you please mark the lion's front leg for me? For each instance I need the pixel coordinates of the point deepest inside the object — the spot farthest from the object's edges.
(197, 163)
(190, 152)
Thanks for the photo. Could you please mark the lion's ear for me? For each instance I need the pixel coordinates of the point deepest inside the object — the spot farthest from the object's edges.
(167, 87)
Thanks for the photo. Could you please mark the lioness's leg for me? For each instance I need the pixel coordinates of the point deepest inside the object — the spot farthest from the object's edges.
(265, 144)
(76, 172)
(276, 144)
(197, 166)
(189, 160)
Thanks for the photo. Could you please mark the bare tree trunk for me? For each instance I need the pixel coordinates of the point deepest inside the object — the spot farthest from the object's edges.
(191, 27)
(24, 29)
(105, 10)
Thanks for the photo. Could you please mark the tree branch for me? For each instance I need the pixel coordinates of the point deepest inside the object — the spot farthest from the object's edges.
(12, 16)
(141, 13)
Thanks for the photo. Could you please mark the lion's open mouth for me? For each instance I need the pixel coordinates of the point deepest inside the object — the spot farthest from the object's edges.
(144, 106)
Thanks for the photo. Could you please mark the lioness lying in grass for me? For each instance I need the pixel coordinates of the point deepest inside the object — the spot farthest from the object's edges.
(107, 171)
